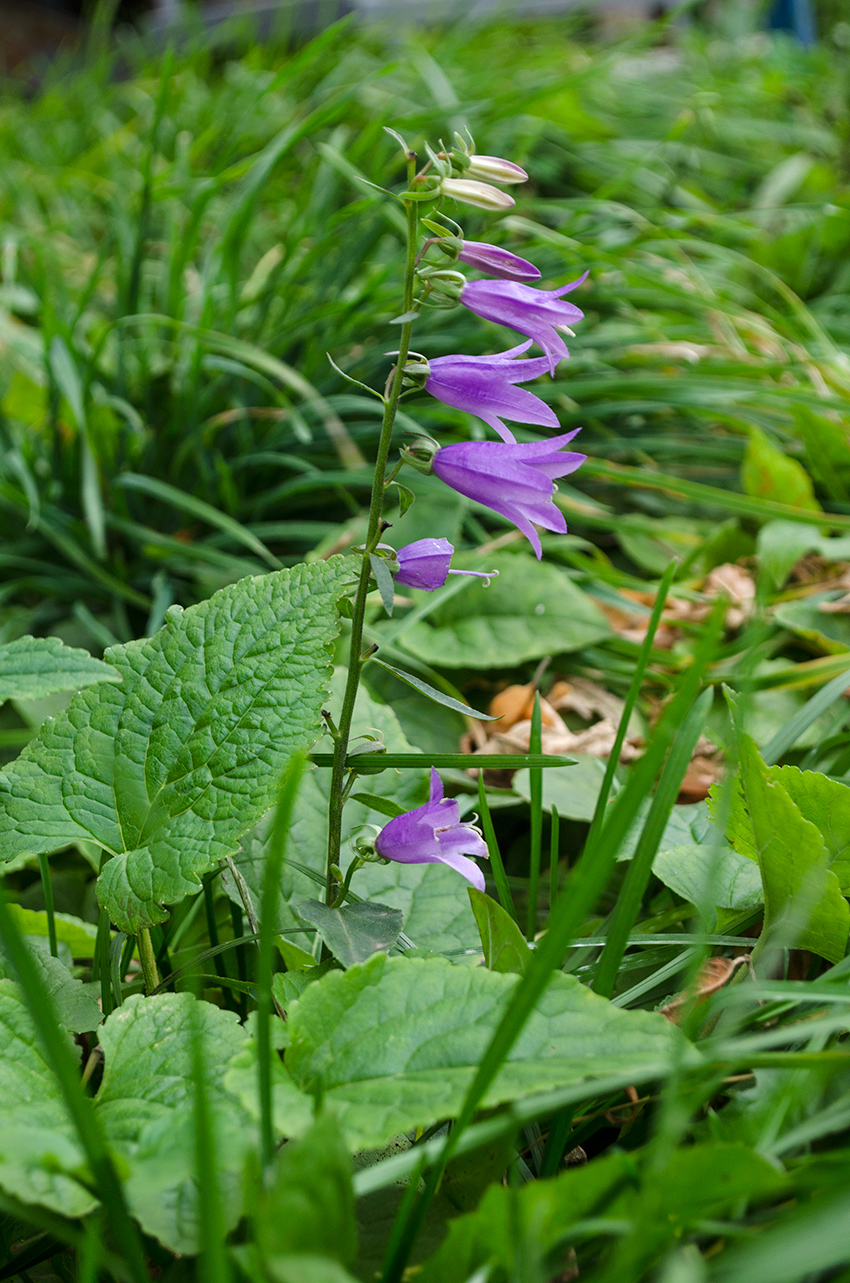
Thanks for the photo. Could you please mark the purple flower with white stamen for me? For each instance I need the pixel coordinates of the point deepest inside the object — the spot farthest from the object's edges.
(484, 385)
(515, 480)
(495, 261)
(537, 313)
(425, 564)
(433, 834)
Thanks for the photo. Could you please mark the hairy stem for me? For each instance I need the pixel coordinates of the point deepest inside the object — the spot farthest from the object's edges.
(355, 662)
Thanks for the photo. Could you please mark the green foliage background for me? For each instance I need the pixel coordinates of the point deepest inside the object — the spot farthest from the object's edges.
(185, 237)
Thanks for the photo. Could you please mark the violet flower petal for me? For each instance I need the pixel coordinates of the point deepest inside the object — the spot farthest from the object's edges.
(433, 834)
(485, 386)
(495, 261)
(424, 564)
(512, 479)
(537, 313)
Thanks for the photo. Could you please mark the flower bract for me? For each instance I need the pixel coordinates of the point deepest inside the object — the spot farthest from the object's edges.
(495, 261)
(434, 834)
(484, 385)
(537, 313)
(513, 479)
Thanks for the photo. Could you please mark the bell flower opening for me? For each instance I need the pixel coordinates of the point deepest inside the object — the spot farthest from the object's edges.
(426, 564)
(495, 261)
(537, 313)
(515, 480)
(434, 834)
(485, 386)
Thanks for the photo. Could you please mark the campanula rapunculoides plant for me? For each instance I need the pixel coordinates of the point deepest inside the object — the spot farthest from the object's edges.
(513, 478)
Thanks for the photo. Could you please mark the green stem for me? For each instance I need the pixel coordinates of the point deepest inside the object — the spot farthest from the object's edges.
(148, 960)
(47, 888)
(376, 504)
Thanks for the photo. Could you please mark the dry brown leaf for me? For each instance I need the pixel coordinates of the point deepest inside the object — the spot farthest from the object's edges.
(633, 625)
(713, 975)
(738, 586)
(516, 704)
(839, 607)
(587, 699)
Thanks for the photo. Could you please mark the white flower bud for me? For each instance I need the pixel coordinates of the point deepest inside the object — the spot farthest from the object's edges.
(495, 169)
(473, 193)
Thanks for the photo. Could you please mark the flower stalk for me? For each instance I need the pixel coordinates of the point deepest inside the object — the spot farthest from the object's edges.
(391, 400)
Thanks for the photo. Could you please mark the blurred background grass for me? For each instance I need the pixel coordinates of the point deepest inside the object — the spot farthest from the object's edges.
(186, 234)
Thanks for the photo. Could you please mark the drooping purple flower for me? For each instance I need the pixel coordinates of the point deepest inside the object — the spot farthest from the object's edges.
(484, 385)
(515, 480)
(495, 261)
(433, 834)
(537, 313)
(425, 564)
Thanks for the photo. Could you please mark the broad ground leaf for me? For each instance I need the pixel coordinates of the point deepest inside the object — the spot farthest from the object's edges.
(826, 631)
(826, 804)
(169, 769)
(574, 790)
(430, 896)
(513, 1226)
(145, 1103)
(33, 667)
(76, 1009)
(768, 473)
(394, 1044)
(532, 609)
(710, 877)
(504, 945)
(78, 935)
(308, 1208)
(802, 896)
(355, 931)
(516, 1229)
(40, 1157)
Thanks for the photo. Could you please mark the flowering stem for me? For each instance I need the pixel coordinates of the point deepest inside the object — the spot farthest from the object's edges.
(393, 393)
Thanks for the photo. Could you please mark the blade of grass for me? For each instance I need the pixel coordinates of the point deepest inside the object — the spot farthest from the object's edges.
(554, 860)
(62, 1061)
(631, 699)
(460, 761)
(763, 509)
(535, 785)
(788, 735)
(640, 867)
(198, 508)
(268, 912)
(503, 890)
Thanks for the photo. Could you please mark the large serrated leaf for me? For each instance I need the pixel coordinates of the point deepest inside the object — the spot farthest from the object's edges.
(146, 1106)
(40, 1157)
(33, 667)
(169, 769)
(394, 1044)
(532, 609)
